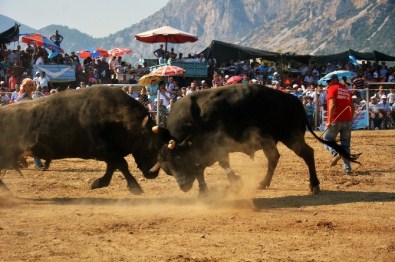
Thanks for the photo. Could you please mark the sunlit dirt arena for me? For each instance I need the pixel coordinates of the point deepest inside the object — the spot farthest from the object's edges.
(54, 215)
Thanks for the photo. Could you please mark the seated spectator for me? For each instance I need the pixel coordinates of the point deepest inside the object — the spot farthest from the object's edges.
(44, 82)
(217, 82)
(192, 88)
(380, 93)
(375, 118)
(4, 98)
(38, 93)
(391, 96)
(164, 95)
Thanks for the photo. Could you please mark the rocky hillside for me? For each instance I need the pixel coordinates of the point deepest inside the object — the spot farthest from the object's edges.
(300, 26)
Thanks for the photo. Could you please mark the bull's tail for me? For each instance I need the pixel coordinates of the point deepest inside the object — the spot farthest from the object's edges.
(338, 148)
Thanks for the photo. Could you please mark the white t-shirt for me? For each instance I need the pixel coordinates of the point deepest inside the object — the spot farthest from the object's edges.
(40, 61)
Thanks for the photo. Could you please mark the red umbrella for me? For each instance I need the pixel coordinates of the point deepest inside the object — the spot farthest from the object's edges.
(234, 80)
(93, 52)
(166, 34)
(168, 71)
(119, 51)
(40, 40)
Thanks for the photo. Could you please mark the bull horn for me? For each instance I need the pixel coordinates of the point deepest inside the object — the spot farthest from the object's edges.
(155, 168)
(172, 144)
(155, 129)
(145, 121)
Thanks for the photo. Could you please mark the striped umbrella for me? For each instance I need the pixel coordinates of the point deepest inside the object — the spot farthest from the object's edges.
(119, 51)
(168, 70)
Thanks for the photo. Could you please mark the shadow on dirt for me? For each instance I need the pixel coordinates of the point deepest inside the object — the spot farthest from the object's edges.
(325, 198)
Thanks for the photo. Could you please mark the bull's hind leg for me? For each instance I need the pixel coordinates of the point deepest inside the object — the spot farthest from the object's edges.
(113, 165)
(271, 152)
(105, 180)
(303, 150)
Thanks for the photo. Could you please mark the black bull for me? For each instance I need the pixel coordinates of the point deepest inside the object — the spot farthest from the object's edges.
(93, 123)
(206, 126)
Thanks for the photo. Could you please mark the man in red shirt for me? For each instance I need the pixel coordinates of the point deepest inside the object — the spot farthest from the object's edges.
(339, 119)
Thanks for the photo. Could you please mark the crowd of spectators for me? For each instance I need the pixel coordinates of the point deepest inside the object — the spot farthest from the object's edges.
(301, 81)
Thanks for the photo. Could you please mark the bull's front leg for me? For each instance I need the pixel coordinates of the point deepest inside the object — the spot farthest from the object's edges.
(203, 189)
(232, 177)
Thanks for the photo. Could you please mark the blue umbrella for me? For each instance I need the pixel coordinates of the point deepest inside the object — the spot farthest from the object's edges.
(41, 40)
(339, 73)
(52, 55)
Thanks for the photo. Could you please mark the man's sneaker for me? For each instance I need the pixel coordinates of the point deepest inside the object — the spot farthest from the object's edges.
(335, 159)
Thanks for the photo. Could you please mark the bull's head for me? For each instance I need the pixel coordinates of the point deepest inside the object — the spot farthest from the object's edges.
(179, 160)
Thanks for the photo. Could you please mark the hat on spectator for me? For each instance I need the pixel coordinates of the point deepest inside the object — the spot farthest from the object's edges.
(1, 82)
(226, 77)
(295, 86)
(334, 76)
(383, 97)
(254, 81)
(37, 72)
(354, 97)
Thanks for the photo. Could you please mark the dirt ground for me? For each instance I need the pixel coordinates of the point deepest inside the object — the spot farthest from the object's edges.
(53, 215)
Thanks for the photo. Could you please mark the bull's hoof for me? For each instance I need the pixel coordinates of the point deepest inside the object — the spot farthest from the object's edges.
(263, 185)
(98, 183)
(3, 187)
(204, 194)
(236, 185)
(135, 189)
(315, 190)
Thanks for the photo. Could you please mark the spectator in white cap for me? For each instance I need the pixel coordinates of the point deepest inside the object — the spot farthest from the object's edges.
(385, 110)
(35, 78)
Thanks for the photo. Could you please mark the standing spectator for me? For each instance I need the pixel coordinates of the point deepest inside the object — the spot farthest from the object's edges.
(39, 60)
(12, 82)
(346, 82)
(360, 84)
(309, 107)
(385, 110)
(12, 58)
(160, 54)
(75, 58)
(375, 118)
(57, 38)
(152, 89)
(339, 119)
